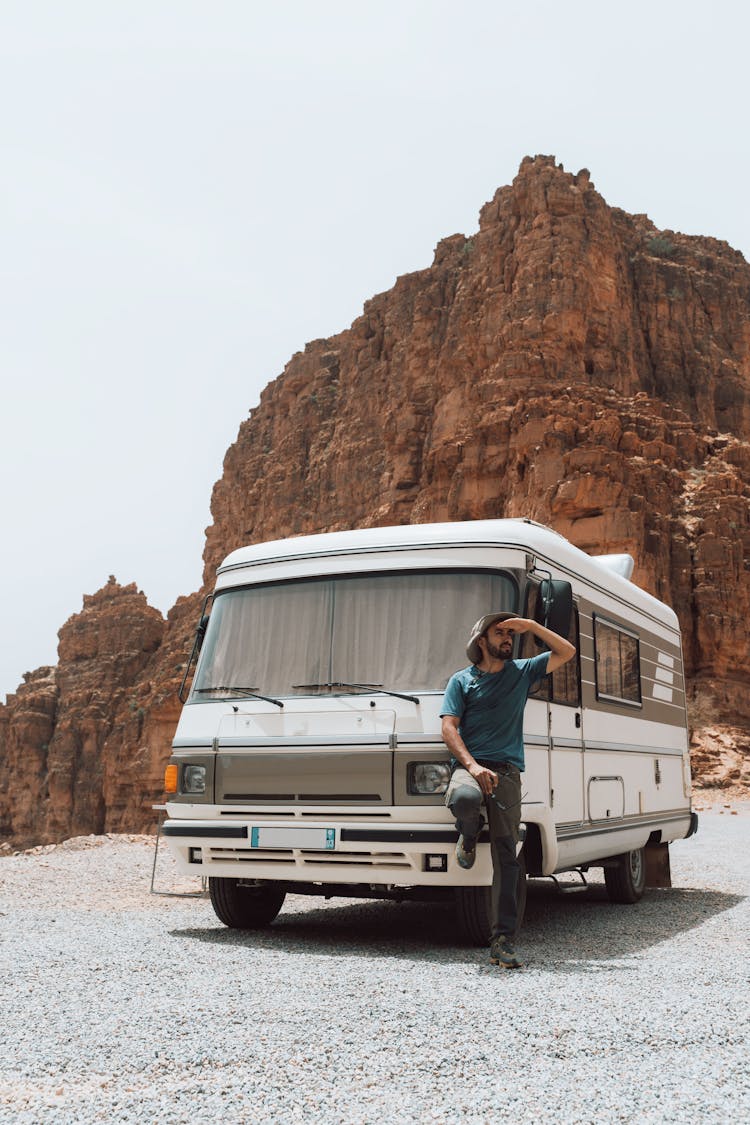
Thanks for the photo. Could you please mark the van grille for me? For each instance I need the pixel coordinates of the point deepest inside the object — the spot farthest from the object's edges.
(286, 814)
(256, 857)
(304, 775)
(313, 798)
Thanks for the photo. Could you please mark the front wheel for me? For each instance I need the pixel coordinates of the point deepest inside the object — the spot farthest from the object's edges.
(625, 880)
(473, 908)
(243, 907)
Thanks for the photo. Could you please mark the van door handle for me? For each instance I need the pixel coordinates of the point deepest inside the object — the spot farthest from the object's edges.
(578, 720)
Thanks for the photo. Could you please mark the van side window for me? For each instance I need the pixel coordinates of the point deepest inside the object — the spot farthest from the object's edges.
(529, 647)
(565, 685)
(618, 670)
(566, 681)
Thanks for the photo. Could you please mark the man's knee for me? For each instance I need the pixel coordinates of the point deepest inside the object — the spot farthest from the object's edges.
(465, 800)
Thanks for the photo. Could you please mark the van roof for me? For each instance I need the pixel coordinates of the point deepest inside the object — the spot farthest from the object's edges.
(534, 538)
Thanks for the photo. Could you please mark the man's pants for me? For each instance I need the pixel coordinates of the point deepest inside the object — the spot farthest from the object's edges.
(465, 798)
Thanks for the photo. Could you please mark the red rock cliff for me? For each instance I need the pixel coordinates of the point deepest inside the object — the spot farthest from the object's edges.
(568, 362)
(54, 730)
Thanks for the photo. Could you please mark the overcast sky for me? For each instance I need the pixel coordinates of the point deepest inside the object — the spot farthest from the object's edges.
(192, 191)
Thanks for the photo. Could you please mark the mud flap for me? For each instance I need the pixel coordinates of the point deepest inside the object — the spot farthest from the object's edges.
(658, 872)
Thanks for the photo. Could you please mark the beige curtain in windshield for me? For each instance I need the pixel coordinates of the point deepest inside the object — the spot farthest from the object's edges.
(402, 631)
(410, 630)
(267, 638)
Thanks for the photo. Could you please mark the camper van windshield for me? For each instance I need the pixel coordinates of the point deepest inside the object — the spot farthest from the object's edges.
(398, 630)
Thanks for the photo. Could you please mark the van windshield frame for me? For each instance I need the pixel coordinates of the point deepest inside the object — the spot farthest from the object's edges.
(402, 629)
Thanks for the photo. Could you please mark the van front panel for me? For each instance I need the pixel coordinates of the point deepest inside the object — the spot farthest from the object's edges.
(361, 775)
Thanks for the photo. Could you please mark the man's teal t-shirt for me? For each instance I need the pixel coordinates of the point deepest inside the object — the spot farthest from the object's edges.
(490, 706)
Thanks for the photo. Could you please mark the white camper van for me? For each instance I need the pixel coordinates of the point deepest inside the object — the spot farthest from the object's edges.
(308, 756)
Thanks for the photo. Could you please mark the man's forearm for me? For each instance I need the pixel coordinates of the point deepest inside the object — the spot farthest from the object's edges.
(554, 642)
(485, 777)
(457, 746)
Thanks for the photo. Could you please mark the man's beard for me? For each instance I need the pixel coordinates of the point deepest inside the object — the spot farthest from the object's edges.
(503, 651)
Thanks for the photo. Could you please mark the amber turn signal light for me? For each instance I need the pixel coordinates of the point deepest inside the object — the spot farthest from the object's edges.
(170, 779)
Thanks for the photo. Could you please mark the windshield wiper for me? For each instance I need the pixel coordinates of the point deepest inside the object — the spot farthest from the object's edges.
(361, 687)
(246, 693)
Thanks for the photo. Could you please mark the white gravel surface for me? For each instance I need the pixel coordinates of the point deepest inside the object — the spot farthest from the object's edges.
(120, 1006)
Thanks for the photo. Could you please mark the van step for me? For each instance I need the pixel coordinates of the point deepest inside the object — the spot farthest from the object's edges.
(570, 888)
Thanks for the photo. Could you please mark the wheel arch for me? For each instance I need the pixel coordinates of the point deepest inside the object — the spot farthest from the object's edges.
(540, 847)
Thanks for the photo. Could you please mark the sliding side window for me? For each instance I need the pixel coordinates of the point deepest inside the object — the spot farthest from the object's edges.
(618, 666)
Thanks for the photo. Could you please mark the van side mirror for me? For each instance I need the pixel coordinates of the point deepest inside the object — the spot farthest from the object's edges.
(200, 633)
(554, 605)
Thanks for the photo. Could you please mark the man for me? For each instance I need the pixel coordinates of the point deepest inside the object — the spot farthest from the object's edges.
(482, 717)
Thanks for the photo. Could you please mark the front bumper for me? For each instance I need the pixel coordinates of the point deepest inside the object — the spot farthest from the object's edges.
(396, 854)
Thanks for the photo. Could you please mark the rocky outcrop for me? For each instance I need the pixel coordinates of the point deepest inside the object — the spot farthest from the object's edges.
(138, 742)
(54, 730)
(27, 724)
(567, 362)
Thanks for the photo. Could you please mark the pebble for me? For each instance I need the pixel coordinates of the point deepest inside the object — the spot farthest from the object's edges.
(122, 1006)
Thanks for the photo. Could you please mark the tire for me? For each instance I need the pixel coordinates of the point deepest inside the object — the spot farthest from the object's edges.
(245, 908)
(626, 880)
(473, 908)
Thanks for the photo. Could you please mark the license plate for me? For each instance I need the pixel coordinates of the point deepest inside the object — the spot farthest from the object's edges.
(314, 839)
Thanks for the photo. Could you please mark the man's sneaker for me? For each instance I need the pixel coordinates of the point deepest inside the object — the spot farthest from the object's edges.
(503, 953)
(466, 852)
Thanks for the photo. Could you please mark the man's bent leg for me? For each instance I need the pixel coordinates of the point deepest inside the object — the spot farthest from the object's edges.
(464, 798)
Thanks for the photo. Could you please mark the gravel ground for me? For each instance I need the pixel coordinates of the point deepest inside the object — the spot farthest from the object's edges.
(123, 1006)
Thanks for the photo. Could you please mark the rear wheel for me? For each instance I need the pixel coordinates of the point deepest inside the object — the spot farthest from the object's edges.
(243, 907)
(625, 880)
(473, 908)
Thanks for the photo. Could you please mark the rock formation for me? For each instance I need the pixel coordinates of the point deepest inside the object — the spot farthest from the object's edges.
(568, 362)
(54, 730)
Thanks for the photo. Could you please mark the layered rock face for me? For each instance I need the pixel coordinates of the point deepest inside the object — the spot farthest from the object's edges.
(568, 362)
(54, 730)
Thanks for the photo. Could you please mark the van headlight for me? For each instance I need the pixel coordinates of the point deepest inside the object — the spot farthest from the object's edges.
(428, 778)
(193, 779)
